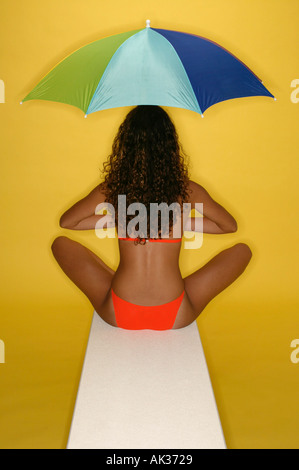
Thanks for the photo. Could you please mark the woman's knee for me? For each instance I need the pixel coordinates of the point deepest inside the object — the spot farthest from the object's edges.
(243, 250)
(58, 243)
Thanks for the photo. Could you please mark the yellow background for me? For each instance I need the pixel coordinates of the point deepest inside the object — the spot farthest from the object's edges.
(245, 152)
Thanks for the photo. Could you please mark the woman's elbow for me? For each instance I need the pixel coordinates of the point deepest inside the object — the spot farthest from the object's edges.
(64, 223)
(233, 227)
(230, 228)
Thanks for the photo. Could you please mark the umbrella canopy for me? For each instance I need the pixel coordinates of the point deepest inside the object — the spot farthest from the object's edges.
(151, 67)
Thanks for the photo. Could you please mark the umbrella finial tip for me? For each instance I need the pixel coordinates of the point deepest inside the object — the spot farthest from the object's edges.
(148, 23)
(85, 116)
(202, 115)
(275, 99)
(21, 102)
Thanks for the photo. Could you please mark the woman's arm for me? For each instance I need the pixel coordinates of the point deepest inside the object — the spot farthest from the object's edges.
(81, 216)
(208, 226)
(216, 219)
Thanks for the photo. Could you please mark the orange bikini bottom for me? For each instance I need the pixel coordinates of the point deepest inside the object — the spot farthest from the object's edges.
(139, 317)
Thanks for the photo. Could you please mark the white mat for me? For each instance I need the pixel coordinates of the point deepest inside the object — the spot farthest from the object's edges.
(145, 390)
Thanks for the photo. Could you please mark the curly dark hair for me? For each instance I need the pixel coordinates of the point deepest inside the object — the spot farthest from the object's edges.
(147, 163)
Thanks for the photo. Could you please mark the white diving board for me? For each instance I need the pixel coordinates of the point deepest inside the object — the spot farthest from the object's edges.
(145, 390)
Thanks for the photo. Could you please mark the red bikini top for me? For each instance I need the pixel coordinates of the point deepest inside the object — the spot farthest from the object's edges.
(161, 240)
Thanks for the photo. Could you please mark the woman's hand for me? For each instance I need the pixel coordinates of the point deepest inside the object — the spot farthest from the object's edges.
(216, 219)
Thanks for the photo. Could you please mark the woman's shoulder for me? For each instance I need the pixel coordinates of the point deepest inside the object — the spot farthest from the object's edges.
(195, 190)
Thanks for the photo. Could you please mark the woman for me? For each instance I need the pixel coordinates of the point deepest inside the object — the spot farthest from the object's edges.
(147, 290)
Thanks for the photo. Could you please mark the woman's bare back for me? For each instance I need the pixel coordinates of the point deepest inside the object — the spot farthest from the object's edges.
(149, 274)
